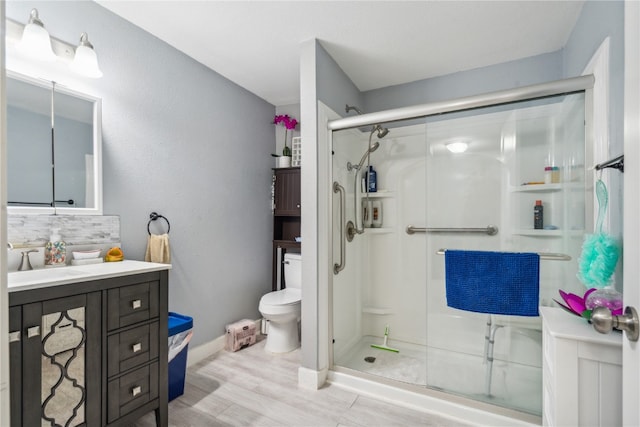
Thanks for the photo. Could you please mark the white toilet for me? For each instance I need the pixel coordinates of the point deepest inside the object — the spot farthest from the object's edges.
(282, 308)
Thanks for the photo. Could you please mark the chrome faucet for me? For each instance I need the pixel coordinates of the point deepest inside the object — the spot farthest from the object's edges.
(25, 264)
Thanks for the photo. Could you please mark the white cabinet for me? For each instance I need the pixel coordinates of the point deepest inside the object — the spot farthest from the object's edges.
(581, 374)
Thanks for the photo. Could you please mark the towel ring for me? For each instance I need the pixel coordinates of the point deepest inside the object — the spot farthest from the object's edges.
(154, 216)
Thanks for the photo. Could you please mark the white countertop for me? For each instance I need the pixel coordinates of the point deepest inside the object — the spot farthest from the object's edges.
(54, 276)
(564, 325)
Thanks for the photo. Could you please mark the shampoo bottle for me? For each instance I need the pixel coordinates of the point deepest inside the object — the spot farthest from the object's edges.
(376, 214)
(55, 251)
(372, 180)
(538, 222)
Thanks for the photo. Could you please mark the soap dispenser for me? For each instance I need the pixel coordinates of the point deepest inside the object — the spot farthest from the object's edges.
(55, 251)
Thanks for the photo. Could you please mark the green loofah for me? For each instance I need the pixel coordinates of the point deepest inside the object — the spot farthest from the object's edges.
(600, 252)
(598, 260)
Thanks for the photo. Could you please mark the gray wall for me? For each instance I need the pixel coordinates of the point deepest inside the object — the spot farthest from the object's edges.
(181, 140)
(523, 72)
(335, 89)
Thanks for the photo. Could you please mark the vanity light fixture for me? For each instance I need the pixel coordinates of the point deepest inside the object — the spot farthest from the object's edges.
(35, 41)
(85, 61)
(457, 147)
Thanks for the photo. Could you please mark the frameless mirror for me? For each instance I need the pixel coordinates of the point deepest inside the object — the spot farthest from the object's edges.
(53, 148)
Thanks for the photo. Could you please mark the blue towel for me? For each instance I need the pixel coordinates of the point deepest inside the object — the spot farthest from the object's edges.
(493, 282)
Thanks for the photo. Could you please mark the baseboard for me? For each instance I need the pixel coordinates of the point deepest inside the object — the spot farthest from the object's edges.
(201, 352)
(310, 379)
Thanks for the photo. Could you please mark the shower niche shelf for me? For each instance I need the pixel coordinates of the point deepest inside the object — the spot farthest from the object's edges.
(537, 188)
(378, 194)
(546, 188)
(381, 230)
(382, 311)
(549, 233)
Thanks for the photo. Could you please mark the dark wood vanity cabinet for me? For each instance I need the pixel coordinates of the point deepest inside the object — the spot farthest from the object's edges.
(93, 352)
(286, 216)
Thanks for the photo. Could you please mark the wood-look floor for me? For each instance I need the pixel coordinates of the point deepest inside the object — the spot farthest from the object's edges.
(254, 388)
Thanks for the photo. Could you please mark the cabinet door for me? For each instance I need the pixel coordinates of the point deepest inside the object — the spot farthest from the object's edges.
(287, 192)
(61, 361)
(15, 362)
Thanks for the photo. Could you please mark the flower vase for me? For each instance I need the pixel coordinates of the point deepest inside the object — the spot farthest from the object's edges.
(284, 161)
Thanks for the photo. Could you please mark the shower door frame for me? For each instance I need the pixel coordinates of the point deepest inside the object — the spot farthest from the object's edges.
(583, 83)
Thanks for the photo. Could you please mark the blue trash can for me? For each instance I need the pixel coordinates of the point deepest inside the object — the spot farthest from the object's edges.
(180, 332)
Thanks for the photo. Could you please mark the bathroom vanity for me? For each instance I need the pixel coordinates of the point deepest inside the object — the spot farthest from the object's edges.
(88, 344)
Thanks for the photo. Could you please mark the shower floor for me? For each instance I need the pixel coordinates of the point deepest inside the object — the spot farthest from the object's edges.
(513, 386)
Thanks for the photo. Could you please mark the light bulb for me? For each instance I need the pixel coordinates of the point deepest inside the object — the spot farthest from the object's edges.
(35, 42)
(457, 147)
(85, 61)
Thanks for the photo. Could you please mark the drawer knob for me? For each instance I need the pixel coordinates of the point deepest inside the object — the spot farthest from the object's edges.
(136, 347)
(14, 336)
(136, 304)
(136, 391)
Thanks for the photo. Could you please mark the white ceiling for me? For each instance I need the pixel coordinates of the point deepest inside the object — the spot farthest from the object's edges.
(256, 44)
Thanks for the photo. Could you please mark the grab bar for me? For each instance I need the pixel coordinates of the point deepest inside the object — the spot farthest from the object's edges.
(543, 255)
(337, 188)
(491, 230)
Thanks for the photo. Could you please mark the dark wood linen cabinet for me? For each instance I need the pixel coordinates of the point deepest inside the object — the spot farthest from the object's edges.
(286, 217)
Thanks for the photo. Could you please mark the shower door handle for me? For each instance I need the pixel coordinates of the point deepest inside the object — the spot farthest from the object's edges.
(337, 188)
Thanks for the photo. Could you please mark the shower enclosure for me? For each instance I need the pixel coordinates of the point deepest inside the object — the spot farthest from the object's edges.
(460, 180)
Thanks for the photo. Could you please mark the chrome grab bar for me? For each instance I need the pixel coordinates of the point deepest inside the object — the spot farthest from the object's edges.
(491, 230)
(543, 255)
(337, 188)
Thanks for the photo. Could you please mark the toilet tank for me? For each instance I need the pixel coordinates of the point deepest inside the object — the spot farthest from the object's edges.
(293, 270)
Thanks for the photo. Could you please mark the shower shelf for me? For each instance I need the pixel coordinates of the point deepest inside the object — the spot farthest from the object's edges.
(382, 230)
(549, 233)
(534, 188)
(378, 194)
(546, 188)
(377, 310)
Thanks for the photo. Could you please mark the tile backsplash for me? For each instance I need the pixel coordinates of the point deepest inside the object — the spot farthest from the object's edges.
(35, 230)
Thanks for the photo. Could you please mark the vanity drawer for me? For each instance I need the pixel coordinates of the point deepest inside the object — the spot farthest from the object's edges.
(131, 348)
(132, 304)
(132, 391)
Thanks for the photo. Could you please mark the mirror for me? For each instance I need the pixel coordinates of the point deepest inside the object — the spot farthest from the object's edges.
(54, 148)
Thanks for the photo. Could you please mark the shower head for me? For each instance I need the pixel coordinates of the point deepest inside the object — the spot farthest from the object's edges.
(382, 132)
(373, 147)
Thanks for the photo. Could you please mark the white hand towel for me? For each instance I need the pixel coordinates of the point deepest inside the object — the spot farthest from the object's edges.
(158, 249)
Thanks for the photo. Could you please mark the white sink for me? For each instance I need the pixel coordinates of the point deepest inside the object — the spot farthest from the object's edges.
(42, 275)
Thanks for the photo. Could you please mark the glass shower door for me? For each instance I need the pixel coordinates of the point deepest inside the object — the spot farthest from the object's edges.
(495, 182)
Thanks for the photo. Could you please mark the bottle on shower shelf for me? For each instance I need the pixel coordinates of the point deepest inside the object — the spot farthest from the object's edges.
(376, 214)
(371, 180)
(538, 221)
(367, 209)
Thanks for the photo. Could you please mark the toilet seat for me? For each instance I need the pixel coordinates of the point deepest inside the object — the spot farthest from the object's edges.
(282, 298)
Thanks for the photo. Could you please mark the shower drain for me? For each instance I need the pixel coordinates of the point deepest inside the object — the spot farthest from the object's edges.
(369, 359)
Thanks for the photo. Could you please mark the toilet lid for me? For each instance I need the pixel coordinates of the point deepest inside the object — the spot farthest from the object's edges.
(283, 297)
